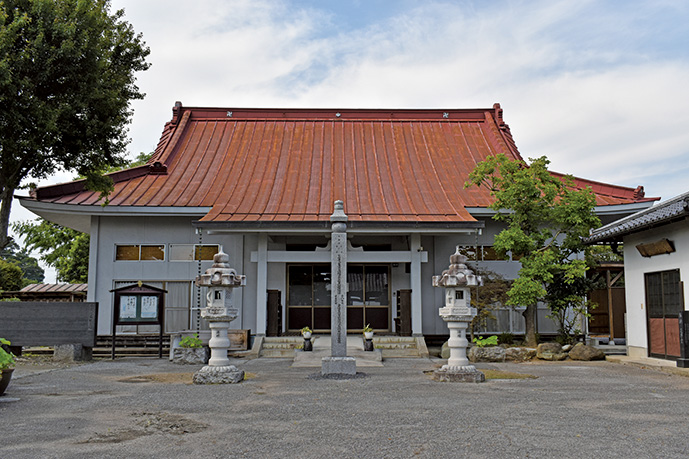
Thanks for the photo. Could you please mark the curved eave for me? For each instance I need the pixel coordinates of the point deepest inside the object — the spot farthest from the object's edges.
(616, 210)
(361, 227)
(78, 217)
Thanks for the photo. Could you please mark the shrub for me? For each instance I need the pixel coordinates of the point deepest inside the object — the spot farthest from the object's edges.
(6, 357)
(191, 342)
(483, 342)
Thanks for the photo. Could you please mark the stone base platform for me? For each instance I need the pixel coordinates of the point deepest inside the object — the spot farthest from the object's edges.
(338, 366)
(218, 375)
(459, 374)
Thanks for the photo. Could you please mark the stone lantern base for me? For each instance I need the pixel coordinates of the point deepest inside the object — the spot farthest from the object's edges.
(468, 373)
(218, 375)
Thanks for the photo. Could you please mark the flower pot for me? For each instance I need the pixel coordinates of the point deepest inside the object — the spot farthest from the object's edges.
(368, 335)
(306, 335)
(5, 380)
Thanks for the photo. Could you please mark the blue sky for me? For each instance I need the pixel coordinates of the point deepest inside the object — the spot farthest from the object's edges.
(599, 87)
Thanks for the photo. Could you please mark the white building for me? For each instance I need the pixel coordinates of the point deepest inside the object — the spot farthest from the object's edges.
(656, 260)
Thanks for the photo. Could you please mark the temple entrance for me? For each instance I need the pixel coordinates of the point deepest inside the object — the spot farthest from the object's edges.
(308, 297)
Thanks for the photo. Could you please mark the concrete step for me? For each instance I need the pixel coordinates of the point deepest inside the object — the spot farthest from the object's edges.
(385, 347)
(399, 346)
(314, 359)
(281, 347)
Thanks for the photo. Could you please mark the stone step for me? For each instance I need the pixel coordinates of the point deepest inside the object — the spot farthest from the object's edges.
(394, 339)
(283, 339)
(394, 345)
(278, 353)
(400, 353)
(386, 346)
(281, 345)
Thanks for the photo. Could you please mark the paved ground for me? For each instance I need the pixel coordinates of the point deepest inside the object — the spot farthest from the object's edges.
(146, 408)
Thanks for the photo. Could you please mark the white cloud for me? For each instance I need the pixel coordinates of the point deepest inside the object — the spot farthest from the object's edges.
(595, 87)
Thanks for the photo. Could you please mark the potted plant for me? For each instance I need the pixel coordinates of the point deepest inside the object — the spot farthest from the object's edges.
(368, 332)
(306, 332)
(190, 351)
(6, 364)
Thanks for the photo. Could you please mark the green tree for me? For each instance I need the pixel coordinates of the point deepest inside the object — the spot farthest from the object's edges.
(10, 276)
(487, 297)
(546, 218)
(65, 249)
(66, 80)
(33, 273)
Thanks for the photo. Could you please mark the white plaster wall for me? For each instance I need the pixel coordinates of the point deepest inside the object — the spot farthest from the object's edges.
(635, 266)
(104, 271)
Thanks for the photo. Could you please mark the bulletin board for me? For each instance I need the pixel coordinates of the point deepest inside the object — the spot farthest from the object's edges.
(138, 304)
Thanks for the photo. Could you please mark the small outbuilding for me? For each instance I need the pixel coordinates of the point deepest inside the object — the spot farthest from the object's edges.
(656, 260)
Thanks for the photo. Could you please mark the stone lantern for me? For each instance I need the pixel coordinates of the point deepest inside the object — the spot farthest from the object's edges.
(458, 313)
(220, 280)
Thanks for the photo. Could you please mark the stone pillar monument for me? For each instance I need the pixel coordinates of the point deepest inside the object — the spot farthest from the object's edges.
(338, 362)
(458, 314)
(220, 280)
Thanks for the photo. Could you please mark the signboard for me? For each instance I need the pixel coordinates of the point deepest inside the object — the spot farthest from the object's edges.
(138, 304)
(137, 309)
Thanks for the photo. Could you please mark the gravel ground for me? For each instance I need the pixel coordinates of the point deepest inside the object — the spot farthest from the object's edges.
(148, 408)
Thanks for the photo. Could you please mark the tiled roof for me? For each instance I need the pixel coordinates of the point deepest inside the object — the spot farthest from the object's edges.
(272, 165)
(55, 288)
(660, 214)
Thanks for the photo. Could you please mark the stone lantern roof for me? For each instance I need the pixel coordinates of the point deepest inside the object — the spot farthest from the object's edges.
(220, 274)
(458, 274)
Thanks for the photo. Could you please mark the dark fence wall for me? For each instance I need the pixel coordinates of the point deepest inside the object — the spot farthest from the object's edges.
(34, 323)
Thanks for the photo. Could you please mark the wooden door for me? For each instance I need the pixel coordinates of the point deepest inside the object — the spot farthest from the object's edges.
(404, 312)
(664, 303)
(274, 313)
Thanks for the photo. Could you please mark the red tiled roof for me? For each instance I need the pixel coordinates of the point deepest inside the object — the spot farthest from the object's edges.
(252, 165)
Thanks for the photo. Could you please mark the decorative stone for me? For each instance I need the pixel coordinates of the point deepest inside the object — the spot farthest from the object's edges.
(218, 375)
(338, 362)
(519, 354)
(220, 280)
(71, 353)
(458, 314)
(338, 366)
(459, 374)
(445, 351)
(487, 354)
(550, 351)
(190, 356)
(583, 352)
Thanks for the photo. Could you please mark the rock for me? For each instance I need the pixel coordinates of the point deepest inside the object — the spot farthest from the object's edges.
(445, 351)
(461, 375)
(550, 351)
(519, 354)
(583, 352)
(486, 354)
(566, 348)
(218, 375)
(190, 356)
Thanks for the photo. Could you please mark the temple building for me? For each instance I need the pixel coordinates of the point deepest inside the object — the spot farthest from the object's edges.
(261, 183)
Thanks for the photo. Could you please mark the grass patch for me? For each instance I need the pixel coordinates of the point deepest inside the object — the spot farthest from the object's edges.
(499, 374)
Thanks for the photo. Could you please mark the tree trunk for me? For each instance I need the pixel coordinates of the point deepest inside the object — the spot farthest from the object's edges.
(6, 196)
(530, 326)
